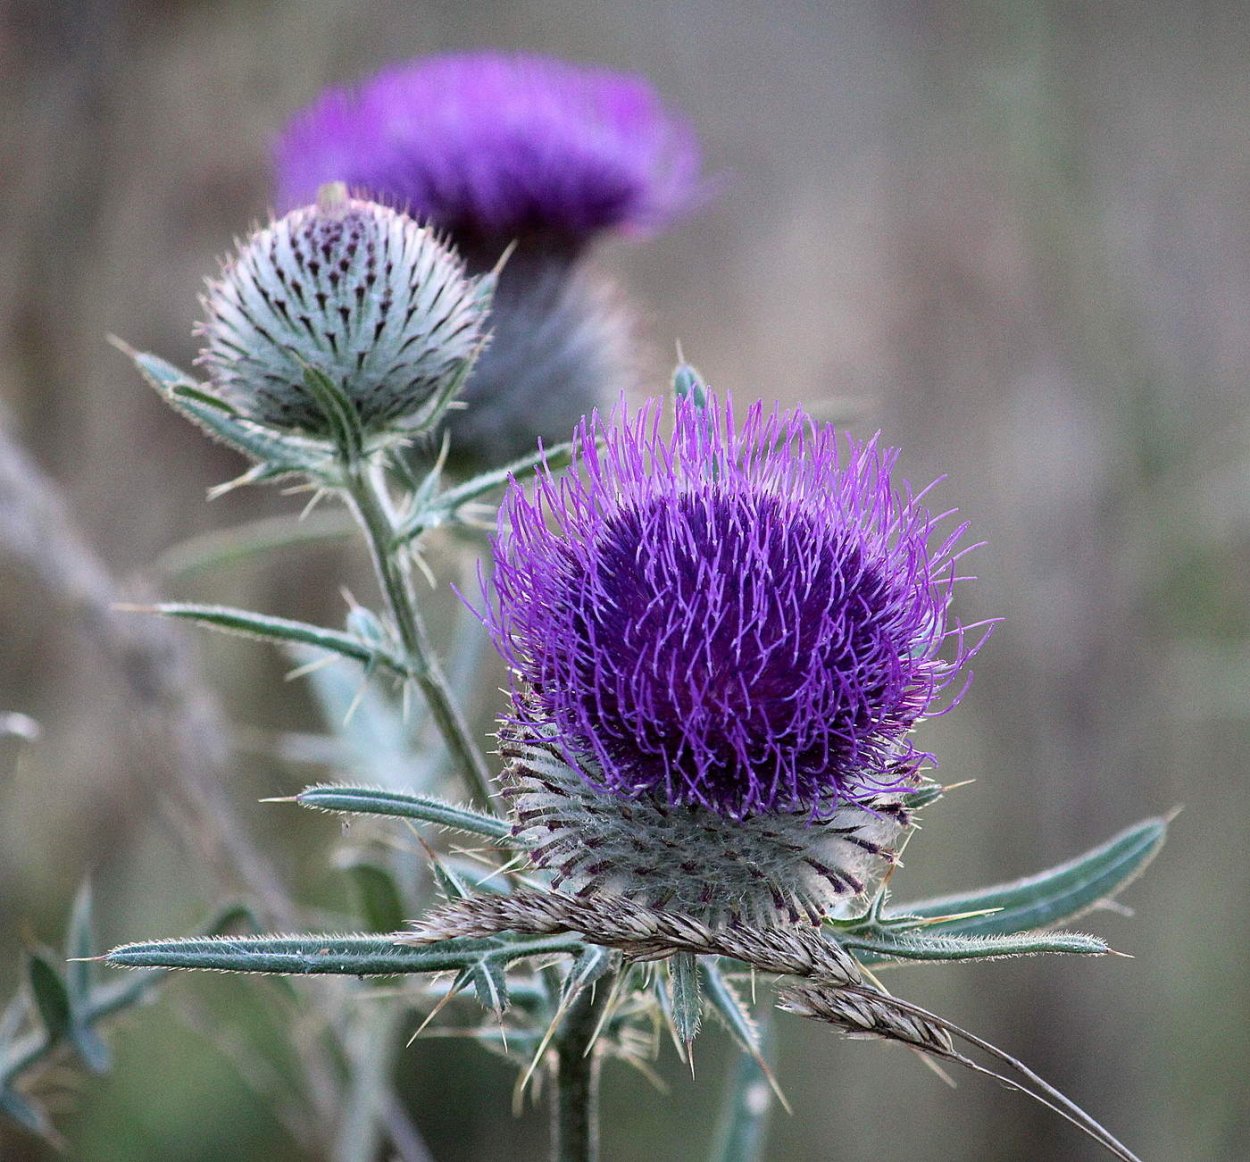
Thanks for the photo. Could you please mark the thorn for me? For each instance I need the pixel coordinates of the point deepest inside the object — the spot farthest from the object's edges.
(438, 1008)
(503, 259)
(309, 668)
(121, 345)
(280, 799)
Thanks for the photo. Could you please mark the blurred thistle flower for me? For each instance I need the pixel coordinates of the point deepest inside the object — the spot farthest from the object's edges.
(499, 150)
(721, 641)
(356, 291)
(496, 147)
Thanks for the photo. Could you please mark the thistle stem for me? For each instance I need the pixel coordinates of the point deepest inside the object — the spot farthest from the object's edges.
(364, 492)
(575, 1102)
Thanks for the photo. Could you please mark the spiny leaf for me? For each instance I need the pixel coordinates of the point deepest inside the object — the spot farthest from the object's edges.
(1054, 896)
(276, 452)
(685, 996)
(689, 384)
(343, 955)
(491, 985)
(590, 965)
(939, 945)
(406, 805)
(258, 625)
(449, 881)
(726, 1003)
(444, 508)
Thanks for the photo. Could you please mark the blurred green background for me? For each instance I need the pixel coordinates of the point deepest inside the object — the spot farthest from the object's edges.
(1013, 236)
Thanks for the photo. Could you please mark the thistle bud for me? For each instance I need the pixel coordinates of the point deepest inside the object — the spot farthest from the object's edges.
(356, 291)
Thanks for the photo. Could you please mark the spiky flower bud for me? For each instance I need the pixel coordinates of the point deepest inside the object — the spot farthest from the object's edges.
(721, 641)
(353, 290)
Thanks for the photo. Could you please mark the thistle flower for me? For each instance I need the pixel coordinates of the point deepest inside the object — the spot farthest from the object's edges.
(721, 641)
(356, 291)
(497, 147)
(497, 150)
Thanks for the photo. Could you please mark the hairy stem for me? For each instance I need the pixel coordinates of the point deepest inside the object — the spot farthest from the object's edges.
(365, 492)
(575, 1102)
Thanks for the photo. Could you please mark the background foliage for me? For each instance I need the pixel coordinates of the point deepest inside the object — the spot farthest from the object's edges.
(1014, 236)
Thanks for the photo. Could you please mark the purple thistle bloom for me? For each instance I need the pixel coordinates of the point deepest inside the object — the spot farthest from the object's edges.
(742, 621)
(492, 147)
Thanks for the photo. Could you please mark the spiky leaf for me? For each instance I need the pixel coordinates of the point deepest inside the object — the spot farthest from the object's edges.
(406, 805)
(685, 997)
(1055, 896)
(939, 945)
(282, 629)
(350, 955)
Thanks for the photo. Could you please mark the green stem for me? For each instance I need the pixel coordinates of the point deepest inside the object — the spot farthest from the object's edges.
(365, 493)
(575, 1103)
(742, 1126)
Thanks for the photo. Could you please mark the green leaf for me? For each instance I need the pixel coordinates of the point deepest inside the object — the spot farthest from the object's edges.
(1052, 897)
(380, 904)
(449, 881)
(923, 795)
(224, 547)
(939, 945)
(727, 1005)
(259, 625)
(491, 985)
(26, 1114)
(444, 508)
(350, 955)
(340, 413)
(51, 998)
(90, 1047)
(405, 805)
(80, 945)
(588, 967)
(689, 384)
(276, 452)
(685, 996)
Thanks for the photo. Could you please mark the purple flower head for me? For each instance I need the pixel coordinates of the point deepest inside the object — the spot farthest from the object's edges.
(742, 621)
(492, 147)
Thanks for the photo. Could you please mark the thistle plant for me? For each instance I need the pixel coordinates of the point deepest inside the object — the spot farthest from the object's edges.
(722, 629)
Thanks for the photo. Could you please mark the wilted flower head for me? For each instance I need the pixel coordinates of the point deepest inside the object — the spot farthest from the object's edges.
(356, 291)
(724, 637)
(492, 147)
